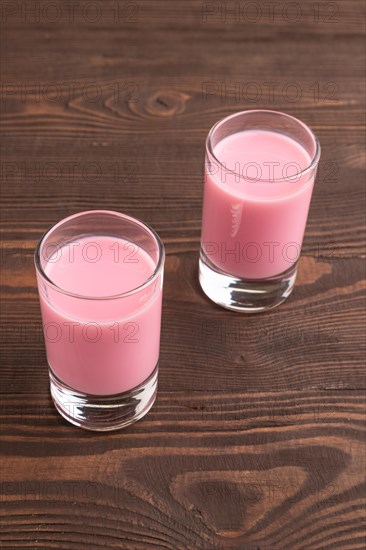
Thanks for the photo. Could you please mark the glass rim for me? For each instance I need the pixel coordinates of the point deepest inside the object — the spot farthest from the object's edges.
(137, 221)
(313, 163)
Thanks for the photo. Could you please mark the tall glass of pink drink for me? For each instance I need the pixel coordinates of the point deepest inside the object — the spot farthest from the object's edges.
(100, 278)
(260, 169)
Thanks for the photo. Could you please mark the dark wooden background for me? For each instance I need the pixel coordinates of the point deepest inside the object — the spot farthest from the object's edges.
(256, 440)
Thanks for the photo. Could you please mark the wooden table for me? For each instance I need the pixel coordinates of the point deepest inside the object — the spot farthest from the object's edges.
(256, 438)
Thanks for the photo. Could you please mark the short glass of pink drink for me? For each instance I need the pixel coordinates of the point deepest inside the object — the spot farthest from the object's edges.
(260, 169)
(100, 279)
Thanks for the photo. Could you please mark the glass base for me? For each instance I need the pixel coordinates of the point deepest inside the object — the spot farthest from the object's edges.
(246, 295)
(104, 413)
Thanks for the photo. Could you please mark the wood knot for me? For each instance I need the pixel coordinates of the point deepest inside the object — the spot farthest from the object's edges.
(166, 103)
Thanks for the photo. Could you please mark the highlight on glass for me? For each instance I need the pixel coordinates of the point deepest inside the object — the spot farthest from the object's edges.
(260, 169)
(100, 281)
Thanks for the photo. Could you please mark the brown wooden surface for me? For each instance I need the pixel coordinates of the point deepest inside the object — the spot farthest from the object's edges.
(256, 440)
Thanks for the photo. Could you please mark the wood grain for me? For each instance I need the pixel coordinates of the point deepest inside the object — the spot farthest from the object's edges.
(224, 470)
(256, 441)
(320, 349)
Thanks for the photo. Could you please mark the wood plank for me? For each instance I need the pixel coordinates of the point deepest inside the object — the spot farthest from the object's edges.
(219, 470)
(257, 438)
(322, 347)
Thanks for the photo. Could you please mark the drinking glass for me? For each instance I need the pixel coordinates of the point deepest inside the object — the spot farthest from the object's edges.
(260, 168)
(100, 279)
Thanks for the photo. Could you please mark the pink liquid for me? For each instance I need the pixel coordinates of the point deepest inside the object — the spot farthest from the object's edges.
(253, 226)
(101, 346)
